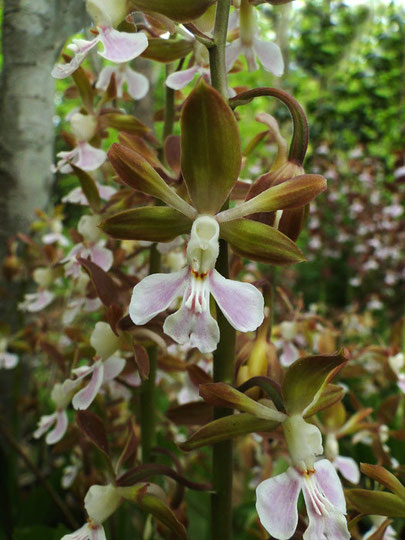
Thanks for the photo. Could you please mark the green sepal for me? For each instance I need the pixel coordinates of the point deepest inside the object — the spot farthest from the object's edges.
(123, 122)
(149, 223)
(210, 148)
(167, 50)
(89, 188)
(384, 477)
(227, 428)
(142, 496)
(137, 173)
(260, 242)
(331, 394)
(378, 503)
(177, 10)
(305, 380)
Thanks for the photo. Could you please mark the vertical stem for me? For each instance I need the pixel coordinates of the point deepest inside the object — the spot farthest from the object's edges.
(170, 111)
(148, 388)
(221, 499)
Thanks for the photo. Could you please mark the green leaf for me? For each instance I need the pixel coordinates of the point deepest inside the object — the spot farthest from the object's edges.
(305, 379)
(292, 193)
(137, 173)
(167, 50)
(260, 242)
(89, 188)
(224, 395)
(380, 503)
(227, 428)
(178, 10)
(210, 148)
(150, 223)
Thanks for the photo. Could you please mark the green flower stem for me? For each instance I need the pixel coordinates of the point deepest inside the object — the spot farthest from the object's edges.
(148, 387)
(170, 110)
(299, 142)
(221, 499)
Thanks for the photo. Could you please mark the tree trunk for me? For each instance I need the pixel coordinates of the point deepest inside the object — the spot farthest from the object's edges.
(33, 33)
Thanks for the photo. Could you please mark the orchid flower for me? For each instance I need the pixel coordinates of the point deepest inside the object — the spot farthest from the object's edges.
(100, 503)
(91, 248)
(34, 302)
(76, 196)
(118, 46)
(84, 155)
(277, 497)
(105, 369)
(61, 395)
(180, 79)
(7, 360)
(251, 46)
(210, 168)
(347, 467)
(241, 303)
(137, 84)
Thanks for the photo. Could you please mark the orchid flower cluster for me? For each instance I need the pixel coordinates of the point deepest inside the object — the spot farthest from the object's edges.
(150, 297)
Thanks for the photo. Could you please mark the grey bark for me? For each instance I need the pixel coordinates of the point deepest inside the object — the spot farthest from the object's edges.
(33, 33)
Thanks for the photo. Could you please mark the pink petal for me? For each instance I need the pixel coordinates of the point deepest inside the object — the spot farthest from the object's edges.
(36, 301)
(241, 303)
(180, 79)
(76, 196)
(87, 532)
(121, 46)
(112, 368)
(327, 478)
(289, 355)
(89, 158)
(270, 56)
(348, 468)
(45, 423)
(105, 76)
(198, 330)
(276, 503)
(84, 398)
(97, 533)
(106, 192)
(155, 293)
(60, 428)
(232, 52)
(8, 360)
(102, 257)
(81, 48)
(138, 84)
(51, 238)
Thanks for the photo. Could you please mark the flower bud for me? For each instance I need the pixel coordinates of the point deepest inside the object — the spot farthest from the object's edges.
(304, 442)
(107, 12)
(203, 246)
(88, 228)
(43, 277)
(83, 126)
(101, 502)
(103, 340)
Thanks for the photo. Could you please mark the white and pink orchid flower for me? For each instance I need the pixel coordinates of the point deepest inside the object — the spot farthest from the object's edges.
(251, 46)
(100, 503)
(192, 324)
(277, 497)
(61, 395)
(118, 46)
(34, 302)
(84, 155)
(91, 248)
(180, 79)
(137, 84)
(76, 196)
(7, 360)
(347, 467)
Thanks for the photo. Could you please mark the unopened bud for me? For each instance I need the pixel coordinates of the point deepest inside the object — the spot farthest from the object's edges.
(103, 340)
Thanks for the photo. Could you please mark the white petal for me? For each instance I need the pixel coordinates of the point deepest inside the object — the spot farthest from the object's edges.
(83, 399)
(81, 49)
(276, 504)
(348, 468)
(138, 84)
(102, 257)
(327, 478)
(8, 360)
(155, 293)
(106, 192)
(112, 368)
(88, 157)
(60, 428)
(232, 52)
(76, 196)
(121, 46)
(45, 423)
(180, 79)
(270, 56)
(241, 303)
(105, 76)
(289, 355)
(198, 330)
